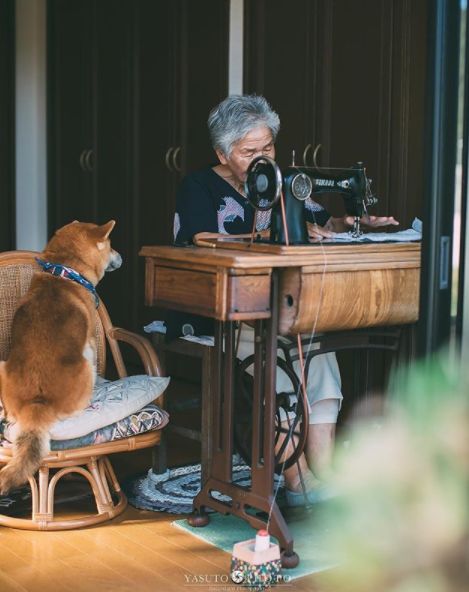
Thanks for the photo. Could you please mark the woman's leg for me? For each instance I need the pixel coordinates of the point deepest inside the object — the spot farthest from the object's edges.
(297, 477)
(320, 448)
(302, 486)
(324, 400)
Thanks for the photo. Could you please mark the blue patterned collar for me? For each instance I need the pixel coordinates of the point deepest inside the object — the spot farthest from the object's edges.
(68, 273)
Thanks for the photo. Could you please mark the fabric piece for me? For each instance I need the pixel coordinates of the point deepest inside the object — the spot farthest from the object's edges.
(207, 340)
(151, 417)
(324, 411)
(111, 401)
(403, 236)
(155, 327)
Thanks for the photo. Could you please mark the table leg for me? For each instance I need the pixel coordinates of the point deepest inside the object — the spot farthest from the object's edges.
(257, 504)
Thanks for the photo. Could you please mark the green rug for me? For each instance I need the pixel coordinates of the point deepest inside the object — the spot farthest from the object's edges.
(224, 531)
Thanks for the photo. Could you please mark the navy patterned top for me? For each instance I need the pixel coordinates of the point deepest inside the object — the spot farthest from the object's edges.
(207, 203)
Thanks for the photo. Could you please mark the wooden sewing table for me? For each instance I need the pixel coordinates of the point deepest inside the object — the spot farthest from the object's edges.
(282, 290)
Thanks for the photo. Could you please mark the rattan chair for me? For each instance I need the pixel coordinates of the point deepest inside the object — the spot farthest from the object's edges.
(92, 462)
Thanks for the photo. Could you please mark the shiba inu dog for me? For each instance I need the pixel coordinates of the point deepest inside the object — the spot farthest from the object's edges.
(51, 369)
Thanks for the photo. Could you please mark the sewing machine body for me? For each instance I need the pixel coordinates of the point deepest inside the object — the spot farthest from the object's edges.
(265, 183)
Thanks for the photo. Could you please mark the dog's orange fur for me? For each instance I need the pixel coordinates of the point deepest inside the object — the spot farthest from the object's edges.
(50, 372)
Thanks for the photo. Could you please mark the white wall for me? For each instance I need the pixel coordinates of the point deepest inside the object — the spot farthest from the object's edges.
(31, 160)
(235, 67)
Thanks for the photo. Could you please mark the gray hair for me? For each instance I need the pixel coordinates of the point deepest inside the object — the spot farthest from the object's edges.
(236, 116)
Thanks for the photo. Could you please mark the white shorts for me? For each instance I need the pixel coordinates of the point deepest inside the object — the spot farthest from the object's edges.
(323, 382)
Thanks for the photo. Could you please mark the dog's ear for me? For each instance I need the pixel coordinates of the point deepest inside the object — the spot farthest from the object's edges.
(103, 232)
(66, 226)
(105, 229)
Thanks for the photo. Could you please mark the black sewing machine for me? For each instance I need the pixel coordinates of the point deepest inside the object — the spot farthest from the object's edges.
(265, 183)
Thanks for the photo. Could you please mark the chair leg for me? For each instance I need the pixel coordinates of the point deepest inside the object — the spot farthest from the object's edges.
(106, 478)
(43, 509)
(102, 493)
(110, 475)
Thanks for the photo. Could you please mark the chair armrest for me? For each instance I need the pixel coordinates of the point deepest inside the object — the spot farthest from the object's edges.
(142, 346)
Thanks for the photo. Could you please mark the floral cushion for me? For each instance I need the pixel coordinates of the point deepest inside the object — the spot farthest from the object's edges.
(111, 402)
(151, 417)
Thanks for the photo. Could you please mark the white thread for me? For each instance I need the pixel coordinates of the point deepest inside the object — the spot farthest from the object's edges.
(313, 332)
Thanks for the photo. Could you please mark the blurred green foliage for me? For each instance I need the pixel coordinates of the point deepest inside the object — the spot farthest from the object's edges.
(401, 521)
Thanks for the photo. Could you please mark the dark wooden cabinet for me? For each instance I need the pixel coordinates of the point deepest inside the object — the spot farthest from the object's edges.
(89, 78)
(282, 62)
(183, 73)
(349, 77)
(7, 125)
(130, 87)
(70, 112)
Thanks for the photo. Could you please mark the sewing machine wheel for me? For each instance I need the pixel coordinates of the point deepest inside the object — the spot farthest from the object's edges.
(285, 403)
(263, 183)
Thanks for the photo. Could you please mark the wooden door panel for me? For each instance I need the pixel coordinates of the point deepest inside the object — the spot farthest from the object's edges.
(203, 76)
(280, 63)
(156, 112)
(69, 108)
(157, 108)
(350, 77)
(113, 148)
(132, 83)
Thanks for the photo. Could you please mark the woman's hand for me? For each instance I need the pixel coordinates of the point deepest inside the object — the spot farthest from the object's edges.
(372, 221)
(318, 233)
(346, 222)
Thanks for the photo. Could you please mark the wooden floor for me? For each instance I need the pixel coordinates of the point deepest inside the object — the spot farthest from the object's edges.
(139, 551)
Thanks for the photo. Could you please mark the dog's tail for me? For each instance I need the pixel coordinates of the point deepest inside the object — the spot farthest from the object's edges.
(30, 446)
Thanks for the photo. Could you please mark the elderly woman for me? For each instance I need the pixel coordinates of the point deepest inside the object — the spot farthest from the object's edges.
(241, 128)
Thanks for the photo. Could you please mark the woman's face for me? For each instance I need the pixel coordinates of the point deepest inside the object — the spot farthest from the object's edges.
(257, 142)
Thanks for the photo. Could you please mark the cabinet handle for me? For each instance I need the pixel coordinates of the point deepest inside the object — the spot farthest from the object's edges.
(166, 159)
(305, 153)
(82, 160)
(176, 165)
(88, 162)
(315, 154)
